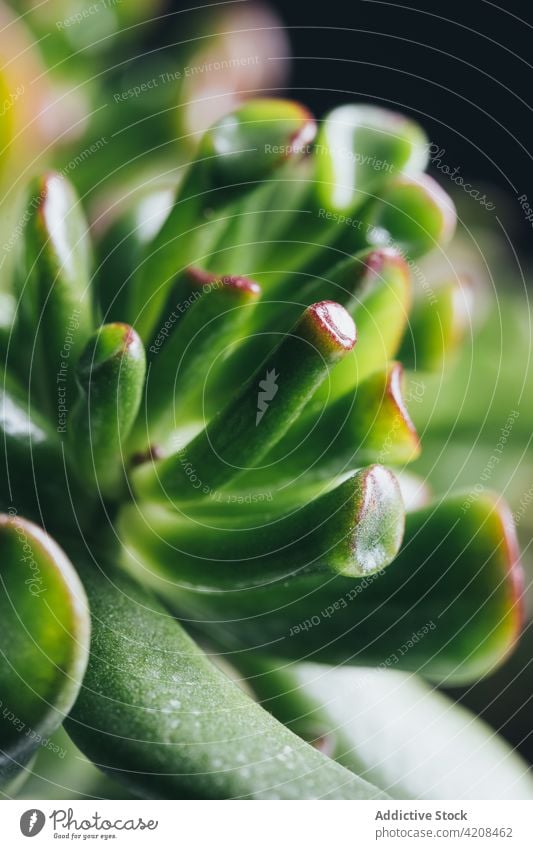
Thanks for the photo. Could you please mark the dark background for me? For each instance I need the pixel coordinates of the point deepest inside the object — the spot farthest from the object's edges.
(464, 70)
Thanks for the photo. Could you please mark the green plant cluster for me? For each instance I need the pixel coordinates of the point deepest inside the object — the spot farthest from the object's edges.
(205, 433)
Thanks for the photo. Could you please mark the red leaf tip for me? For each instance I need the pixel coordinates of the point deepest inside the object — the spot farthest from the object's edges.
(232, 282)
(335, 322)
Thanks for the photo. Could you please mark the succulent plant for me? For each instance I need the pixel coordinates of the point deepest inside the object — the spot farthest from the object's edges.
(205, 500)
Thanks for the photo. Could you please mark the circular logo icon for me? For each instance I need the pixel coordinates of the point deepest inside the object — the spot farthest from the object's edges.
(32, 822)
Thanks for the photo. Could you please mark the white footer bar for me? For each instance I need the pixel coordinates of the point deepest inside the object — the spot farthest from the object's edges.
(268, 825)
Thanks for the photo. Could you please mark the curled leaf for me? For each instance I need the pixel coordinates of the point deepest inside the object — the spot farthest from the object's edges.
(373, 286)
(240, 150)
(412, 214)
(358, 148)
(258, 415)
(155, 714)
(353, 530)
(199, 329)
(437, 324)
(111, 378)
(347, 713)
(381, 314)
(56, 301)
(44, 643)
(449, 607)
(370, 425)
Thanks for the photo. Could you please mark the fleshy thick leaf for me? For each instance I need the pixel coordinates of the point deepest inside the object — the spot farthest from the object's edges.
(258, 415)
(111, 378)
(369, 425)
(260, 222)
(252, 142)
(120, 246)
(199, 329)
(353, 530)
(358, 148)
(34, 474)
(398, 749)
(412, 214)
(348, 713)
(491, 381)
(381, 315)
(437, 324)
(55, 286)
(239, 151)
(449, 607)
(359, 151)
(155, 714)
(44, 643)
(373, 286)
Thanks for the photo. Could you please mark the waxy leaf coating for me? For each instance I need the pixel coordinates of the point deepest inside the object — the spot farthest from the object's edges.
(156, 714)
(44, 642)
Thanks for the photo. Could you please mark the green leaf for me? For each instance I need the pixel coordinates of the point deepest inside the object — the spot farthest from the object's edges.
(449, 606)
(369, 425)
(437, 324)
(500, 358)
(239, 151)
(259, 413)
(374, 287)
(359, 151)
(56, 297)
(353, 530)
(399, 749)
(199, 329)
(119, 249)
(34, 474)
(412, 214)
(381, 315)
(252, 142)
(477, 420)
(260, 221)
(44, 643)
(111, 378)
(360, 147)
(426, 747)
(155, 714)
